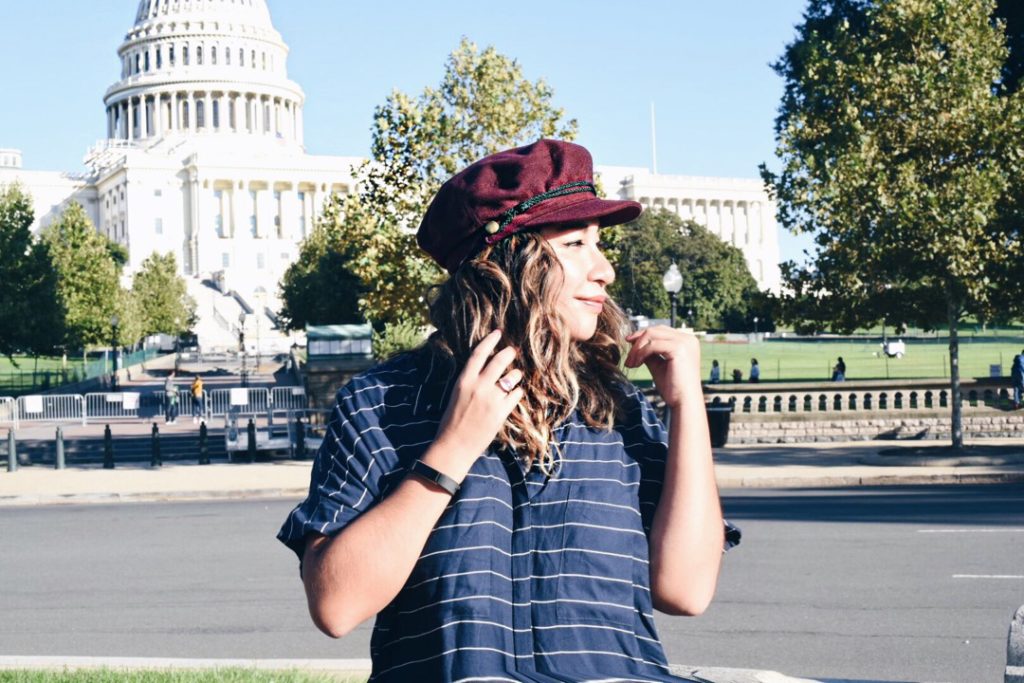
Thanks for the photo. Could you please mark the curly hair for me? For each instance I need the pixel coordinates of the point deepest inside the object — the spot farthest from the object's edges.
(514, 286)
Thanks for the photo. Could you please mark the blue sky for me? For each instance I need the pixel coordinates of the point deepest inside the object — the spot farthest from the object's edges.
(705, 65)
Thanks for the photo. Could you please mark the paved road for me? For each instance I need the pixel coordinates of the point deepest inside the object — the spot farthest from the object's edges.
(893, 583)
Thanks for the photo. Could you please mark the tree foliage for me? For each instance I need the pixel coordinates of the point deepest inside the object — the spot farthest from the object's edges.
(30, 315)
(88, 286)
(897, 146)
(160, 298)
(482, 105)
(319, 288)
(717, 284)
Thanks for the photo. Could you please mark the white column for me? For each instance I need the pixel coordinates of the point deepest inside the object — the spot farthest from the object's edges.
(131, 118)
(193, 119)
(257, 119)
(237, 188)
(144, 120)
(158, 114)
(208, 110)
(223, 113)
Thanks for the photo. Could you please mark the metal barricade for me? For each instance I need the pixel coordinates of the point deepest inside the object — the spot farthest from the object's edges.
(8, 411)
(288, 398)
(55, 408)
(112, 405)
(242, 400)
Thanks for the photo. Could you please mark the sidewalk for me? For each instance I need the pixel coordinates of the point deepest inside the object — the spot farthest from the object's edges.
(763, 466)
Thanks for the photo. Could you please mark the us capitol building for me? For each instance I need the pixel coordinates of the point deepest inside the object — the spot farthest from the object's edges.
(204, 157)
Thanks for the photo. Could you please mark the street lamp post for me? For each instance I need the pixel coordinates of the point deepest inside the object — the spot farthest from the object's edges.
(114, 320)
(672, 280)
(755, 326)
(241, 346)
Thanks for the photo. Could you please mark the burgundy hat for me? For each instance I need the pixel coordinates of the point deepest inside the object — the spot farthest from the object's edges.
(549, 182)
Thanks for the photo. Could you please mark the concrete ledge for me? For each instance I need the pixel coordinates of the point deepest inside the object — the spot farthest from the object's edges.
(338, 666)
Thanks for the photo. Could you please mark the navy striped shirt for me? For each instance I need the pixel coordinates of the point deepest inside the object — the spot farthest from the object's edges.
(524, 577)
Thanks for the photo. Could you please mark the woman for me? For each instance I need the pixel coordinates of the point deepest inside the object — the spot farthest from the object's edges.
(504, 501)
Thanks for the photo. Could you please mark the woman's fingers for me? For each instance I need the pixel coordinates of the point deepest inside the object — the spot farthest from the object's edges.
(497, 365)
(478, 358)
(510, 380)
(660, 340)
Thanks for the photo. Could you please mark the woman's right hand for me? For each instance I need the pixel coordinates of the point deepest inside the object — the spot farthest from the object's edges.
(479, 406)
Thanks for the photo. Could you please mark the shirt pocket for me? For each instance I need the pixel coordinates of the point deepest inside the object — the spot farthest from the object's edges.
(600, 527)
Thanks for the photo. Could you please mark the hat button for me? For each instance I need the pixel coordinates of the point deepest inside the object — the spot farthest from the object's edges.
(491, 227)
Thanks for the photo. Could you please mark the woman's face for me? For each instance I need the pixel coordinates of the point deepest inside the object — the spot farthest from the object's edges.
(585, 271)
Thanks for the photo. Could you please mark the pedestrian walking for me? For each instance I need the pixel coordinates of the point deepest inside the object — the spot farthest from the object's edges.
(716, 372)
(503, 499)
(170, 400)
(755, 371)
(198, 399)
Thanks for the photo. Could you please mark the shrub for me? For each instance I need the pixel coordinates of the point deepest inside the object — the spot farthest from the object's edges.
(404, 335)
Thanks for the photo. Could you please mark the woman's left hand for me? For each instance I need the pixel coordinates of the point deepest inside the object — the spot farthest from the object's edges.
(672, 356)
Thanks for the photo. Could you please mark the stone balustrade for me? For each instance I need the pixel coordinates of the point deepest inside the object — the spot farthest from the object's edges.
(857, 397)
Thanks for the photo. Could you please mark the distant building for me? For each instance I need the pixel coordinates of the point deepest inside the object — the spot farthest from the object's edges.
(738, 210)
(204, 158)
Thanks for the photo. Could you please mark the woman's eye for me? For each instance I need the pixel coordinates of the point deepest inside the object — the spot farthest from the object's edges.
(574, 243)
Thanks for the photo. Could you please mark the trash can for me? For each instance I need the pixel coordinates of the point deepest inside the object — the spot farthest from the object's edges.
(718, 422)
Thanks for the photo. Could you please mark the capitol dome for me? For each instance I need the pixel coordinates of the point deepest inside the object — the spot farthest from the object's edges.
(204, 67)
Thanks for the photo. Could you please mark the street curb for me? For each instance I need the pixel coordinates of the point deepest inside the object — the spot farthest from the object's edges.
(842, 481)
(28, 500)
(339, 666)
(345, 666)
(298, 493)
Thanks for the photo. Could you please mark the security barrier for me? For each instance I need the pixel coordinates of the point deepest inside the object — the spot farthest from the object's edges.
(240, 400)
(112, 405)
(8, 411)
(47, 408)
(130, 405)
(288, 398)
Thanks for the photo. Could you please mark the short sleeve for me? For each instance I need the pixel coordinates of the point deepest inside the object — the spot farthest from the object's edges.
(349, 471)
(646, 441)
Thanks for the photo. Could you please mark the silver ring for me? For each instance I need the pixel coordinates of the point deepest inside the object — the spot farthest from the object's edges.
(506, 384)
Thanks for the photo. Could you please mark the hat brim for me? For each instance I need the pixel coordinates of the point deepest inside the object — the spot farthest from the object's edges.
(606, 212)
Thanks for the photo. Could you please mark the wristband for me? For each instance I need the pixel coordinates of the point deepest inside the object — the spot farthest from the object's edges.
(421, 469)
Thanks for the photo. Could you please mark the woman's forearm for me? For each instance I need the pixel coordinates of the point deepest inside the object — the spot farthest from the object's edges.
(353, 575)
(687, 534)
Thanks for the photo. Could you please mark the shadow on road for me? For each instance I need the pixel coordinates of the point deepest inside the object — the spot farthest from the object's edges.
(995, 505)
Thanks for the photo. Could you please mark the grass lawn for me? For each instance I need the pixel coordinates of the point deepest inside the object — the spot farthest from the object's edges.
(782, 360)
(175, 676)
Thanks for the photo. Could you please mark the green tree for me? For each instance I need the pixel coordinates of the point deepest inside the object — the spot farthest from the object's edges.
(160, 296)
(717, 285)
(483, 104)
(30, 313)
(896, 147)
(87, 279)
(319, 288)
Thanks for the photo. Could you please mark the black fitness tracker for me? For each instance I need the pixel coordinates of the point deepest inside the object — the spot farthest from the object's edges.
(424, 470)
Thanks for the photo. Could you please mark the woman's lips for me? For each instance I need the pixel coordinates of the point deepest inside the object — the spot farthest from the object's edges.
(594, 303)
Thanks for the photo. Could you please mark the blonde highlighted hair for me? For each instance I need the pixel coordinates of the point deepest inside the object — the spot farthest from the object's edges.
(513, 286)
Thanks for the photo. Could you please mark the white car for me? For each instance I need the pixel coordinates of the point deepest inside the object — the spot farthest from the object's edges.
(894, 349)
